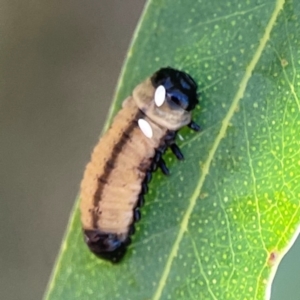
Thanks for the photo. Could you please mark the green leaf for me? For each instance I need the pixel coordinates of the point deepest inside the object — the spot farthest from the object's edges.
(217, 227)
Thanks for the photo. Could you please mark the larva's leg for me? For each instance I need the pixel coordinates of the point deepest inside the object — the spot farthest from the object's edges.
(154, 167)
(148, 177)
(194, 126)
(157, 156)
(156, 159)
(163, 167)
(144, 188)
(170, 137)
(136, 215)
(141, 201)
(177, 152)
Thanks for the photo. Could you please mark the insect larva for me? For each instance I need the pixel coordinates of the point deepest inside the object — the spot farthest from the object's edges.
(116, 178)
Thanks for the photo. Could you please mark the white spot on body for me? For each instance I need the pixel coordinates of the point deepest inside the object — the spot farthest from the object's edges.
(160, 95)
(146, 128)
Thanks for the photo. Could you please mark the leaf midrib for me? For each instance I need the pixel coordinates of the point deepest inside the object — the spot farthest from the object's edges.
(206, 166)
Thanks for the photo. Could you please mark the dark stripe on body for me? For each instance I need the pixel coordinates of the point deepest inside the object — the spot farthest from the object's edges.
(109, 166)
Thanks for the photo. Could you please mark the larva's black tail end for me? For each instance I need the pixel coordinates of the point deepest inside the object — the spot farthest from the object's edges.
(107, 246)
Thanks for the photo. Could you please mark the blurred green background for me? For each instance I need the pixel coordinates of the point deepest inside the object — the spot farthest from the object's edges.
(59, 64)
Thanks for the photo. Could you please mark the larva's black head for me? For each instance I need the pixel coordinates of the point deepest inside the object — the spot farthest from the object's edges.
(180, 87)
(167, 98)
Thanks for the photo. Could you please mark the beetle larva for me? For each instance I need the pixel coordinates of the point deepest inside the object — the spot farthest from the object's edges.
(116, 178)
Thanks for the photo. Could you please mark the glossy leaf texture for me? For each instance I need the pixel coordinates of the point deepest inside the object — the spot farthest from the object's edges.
(217, 227)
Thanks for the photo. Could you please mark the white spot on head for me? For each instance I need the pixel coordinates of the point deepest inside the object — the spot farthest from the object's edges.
(160, 95)
(146, 128)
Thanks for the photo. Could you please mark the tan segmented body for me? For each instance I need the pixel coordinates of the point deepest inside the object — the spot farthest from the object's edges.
(113, 179)
(116, 178)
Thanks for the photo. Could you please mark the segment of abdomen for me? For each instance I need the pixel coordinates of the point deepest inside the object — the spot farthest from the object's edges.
(97, 169)
(120, 195)
(113, 211)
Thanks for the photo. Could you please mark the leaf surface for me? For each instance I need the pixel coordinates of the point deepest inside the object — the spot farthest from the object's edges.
(217, 227)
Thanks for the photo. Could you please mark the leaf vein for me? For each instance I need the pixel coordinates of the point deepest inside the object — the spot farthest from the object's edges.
(201, 269)
(237, 13)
